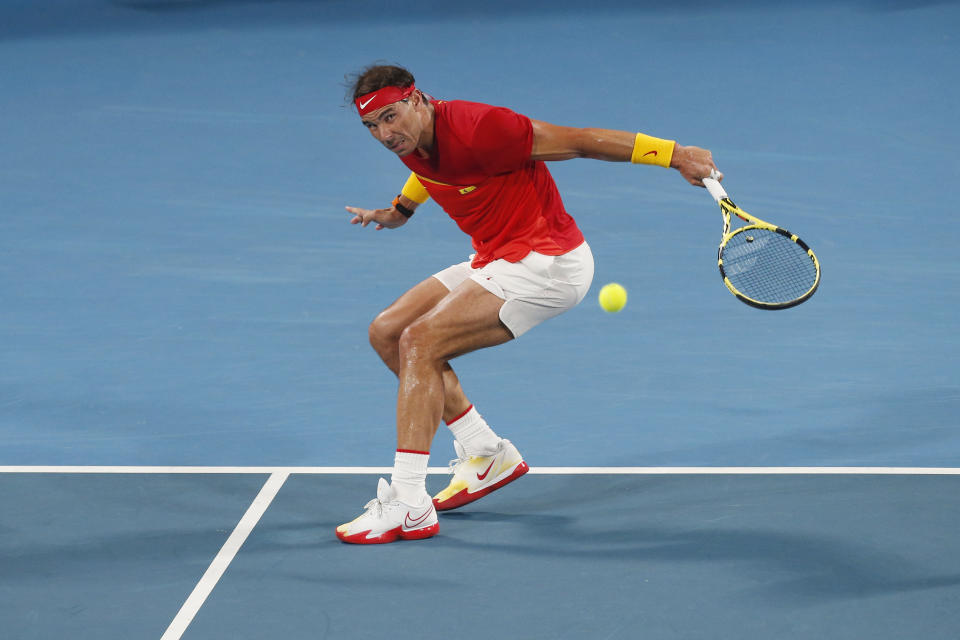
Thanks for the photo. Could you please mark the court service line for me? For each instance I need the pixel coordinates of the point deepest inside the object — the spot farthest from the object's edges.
(223, 559)
(534, 470)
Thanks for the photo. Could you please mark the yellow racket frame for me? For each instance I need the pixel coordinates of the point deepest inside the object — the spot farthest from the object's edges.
(727, 207)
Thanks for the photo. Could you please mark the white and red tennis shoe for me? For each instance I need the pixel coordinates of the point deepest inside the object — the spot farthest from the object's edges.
(386, 519)
(476, 476)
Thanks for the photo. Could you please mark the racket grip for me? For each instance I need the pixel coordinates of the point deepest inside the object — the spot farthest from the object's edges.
(713, 186)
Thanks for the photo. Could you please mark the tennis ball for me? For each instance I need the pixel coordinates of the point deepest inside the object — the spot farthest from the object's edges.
(613, 297)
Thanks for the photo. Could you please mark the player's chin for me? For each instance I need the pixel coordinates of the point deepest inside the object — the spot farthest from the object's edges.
(401, 149)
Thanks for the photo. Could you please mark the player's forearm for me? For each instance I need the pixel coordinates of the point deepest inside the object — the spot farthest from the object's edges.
(411, 196)
(551, 142)
(603, 144)
(401, 211)
(624, 146)
(407, 203)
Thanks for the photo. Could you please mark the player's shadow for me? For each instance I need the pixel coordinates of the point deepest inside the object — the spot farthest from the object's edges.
(812, 567)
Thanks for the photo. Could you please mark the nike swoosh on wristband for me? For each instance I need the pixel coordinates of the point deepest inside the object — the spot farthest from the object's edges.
(363, 105)
(481, 476)
(654, 152)
(409, 522)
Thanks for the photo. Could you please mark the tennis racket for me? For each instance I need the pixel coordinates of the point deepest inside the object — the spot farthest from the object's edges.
(763, 265)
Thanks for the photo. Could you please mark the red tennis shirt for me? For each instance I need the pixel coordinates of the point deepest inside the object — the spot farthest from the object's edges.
(481, 174)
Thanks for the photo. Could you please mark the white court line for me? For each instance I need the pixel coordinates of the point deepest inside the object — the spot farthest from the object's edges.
(225, 557)
(944, 471)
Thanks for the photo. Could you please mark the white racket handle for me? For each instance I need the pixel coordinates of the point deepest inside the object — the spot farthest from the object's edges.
(713, 186)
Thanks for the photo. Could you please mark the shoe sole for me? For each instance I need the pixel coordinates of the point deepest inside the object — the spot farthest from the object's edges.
(391, 536)
(463, 497)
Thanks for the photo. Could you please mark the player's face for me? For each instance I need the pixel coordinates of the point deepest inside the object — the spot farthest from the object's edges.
(397, 126)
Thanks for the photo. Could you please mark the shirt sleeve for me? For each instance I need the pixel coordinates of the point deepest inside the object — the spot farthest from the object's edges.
(502, 141)
(415, 190)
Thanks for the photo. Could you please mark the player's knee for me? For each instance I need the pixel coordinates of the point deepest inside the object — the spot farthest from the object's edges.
(416, 341)
(384, 332)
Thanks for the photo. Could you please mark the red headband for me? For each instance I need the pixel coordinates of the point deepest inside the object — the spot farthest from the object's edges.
(381, 98)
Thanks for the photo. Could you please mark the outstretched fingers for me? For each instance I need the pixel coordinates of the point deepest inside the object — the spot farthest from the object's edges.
(363, 217)
(360, 216)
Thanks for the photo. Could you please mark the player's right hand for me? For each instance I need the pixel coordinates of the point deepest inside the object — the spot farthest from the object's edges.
(385, 218)
(693, 163)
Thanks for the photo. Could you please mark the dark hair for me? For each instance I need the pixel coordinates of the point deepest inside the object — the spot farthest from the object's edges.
(377, 76)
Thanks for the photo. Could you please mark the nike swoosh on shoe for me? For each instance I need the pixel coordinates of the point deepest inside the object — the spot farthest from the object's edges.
(481, 476)
(410, 523)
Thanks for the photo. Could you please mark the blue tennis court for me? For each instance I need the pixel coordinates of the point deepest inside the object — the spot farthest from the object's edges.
(189, 405)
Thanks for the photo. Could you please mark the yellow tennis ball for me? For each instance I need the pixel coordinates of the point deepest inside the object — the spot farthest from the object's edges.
(613, 297)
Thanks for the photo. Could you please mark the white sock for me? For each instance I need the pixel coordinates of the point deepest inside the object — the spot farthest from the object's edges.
(409, 479)
(473, 433)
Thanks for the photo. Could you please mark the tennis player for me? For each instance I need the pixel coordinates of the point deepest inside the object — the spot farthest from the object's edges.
(484, 165)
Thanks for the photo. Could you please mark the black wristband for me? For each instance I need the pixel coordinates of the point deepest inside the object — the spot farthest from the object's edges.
(406, 212)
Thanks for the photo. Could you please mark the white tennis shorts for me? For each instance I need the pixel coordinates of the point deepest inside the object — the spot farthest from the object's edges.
(535, 289)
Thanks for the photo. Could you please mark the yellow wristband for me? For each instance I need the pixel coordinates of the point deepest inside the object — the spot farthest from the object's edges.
(650, 150)
(414, 190)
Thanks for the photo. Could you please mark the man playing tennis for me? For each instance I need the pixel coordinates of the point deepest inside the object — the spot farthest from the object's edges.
(484, 166)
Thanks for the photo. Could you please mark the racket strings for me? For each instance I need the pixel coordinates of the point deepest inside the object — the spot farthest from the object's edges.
(767, 266)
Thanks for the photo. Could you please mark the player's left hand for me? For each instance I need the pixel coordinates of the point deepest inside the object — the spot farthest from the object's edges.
(385, 218)
(693, 163)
